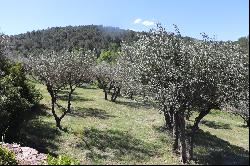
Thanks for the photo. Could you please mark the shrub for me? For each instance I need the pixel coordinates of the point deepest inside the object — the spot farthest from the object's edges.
(7, 157)
(17, 96)
(61, 160)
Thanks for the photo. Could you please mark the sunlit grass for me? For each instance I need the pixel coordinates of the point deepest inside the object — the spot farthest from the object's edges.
(104, 132)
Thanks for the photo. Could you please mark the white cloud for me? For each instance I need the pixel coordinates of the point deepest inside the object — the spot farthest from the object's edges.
(132, 29)
(148, 23)
(137, 21)
(144, 22)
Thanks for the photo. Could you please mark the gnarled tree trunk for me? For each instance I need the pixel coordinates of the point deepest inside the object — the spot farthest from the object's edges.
(183, 142)
(195, 127)
(105, 94)
(131, 95)
(176, 133)
(168, 117)
(115, 93)
(53, 94)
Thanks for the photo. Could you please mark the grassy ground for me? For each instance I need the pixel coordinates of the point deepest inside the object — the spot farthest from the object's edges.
(103, 132)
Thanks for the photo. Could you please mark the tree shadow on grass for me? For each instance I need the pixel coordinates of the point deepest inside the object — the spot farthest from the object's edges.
(210, 149)
(36, 111)
(215, 125)
(37, 134)
(64, 97)
(114, 144)
(90, 112)
(243, 126)
(41, 136)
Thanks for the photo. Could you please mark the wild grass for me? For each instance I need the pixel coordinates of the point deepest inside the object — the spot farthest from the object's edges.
(103, 132)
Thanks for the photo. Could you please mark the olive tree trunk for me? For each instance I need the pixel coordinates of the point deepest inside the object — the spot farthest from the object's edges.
(182, 123)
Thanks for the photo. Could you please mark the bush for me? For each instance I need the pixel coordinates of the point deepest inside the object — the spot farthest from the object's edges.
(61, 160)
(7, 157)
(17, 97)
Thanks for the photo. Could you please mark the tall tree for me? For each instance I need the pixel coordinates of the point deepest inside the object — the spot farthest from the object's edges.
(187, 75)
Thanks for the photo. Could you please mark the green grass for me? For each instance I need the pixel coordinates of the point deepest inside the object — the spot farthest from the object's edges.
(222, 139)
(103, 132)
(7, 157)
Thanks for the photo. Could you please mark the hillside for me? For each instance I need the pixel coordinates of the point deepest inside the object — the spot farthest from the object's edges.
(126, 132)
(85, 37)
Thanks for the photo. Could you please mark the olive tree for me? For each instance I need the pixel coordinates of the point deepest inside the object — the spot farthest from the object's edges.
(187, 76)
(128, 73)
(109, 79)
(115, 84)
(61, 70)
(242, 108)
(220, 69)
(103, 73)
(239, 98)
(163, 66)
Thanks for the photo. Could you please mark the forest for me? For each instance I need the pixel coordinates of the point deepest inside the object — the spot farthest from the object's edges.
(94, 94)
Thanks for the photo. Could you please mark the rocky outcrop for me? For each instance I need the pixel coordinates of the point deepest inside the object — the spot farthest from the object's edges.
(25, 155)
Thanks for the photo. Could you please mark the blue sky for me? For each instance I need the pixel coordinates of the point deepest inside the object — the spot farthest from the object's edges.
(224, 19)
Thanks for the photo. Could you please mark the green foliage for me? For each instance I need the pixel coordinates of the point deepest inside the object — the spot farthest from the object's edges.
(7, 157)
(94, 85)
(62, 70)
(87, 37)
(108, 56)
(61, 160)
(17, 96)
(244, 43)
(185, 75)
